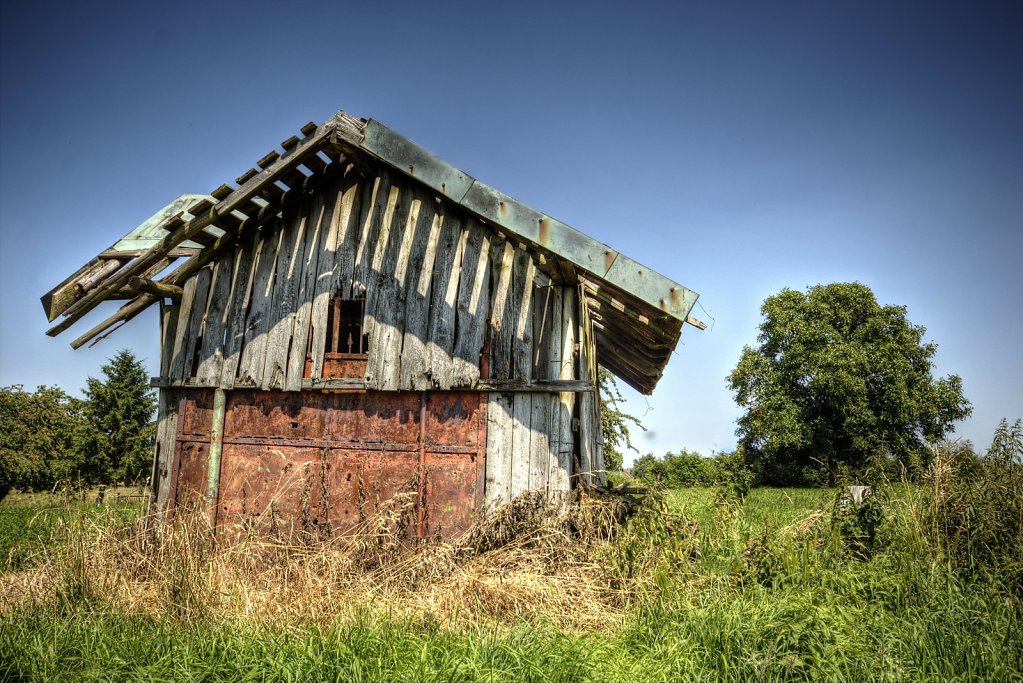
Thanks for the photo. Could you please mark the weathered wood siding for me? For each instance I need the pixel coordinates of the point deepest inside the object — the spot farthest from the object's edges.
(439, 286)
(448, 302)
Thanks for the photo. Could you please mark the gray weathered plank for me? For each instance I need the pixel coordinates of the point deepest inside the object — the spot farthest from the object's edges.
(588, 407)
(419, 286)
(184, 312)
(540, 441)
(472, 304)
(211, 353)
(385, 304)
(502, 305)
(250, 366)
(166, 433)
(168, 323)
(522, 415)
(522, 341)
(557, 478)
(375, 196)
(241, 289)
(318, 226)
(287, 281)
(543, 329)
(566, 402)
(441, 338)
(497, 487)
(200, 302)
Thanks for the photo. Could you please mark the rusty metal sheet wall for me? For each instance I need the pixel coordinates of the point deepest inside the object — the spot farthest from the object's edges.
(327, 462)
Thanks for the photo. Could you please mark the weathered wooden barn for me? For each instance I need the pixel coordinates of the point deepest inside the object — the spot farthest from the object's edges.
(356, 318)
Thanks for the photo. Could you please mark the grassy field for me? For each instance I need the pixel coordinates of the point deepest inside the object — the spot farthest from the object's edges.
(698, 585)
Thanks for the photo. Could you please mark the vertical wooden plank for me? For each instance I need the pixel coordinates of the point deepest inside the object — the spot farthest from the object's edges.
(540, 441)
(337, 261)
(176, 371)
(385, 298)
(200, 302)
(441, 336)
(257, 321)
(375, 195)
(472, 304)
(419, 287)
(241, 289)
(566, 402)
(211, 354)
(502, 303)
(168, 324)
(542, 328)
(285, 295)
(318, 226)
(588, 408)
(557, 478)
(522, 369)
(190, 313)
(497, 489)
(522, 341)
(163, 457)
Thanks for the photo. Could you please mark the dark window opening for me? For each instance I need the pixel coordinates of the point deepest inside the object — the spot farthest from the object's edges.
(344, 327)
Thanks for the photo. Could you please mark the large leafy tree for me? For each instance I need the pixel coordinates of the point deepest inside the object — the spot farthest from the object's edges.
(41, 436)
(839, 380)
(121, 408)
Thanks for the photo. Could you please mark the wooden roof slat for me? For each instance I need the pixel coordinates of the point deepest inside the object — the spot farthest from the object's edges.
(244, 177)
(185, 232)
(268, 160)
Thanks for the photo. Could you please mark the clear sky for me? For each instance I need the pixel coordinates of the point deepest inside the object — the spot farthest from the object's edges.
(738, 148)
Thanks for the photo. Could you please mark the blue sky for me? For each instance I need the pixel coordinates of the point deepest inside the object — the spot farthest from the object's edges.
(738, 148)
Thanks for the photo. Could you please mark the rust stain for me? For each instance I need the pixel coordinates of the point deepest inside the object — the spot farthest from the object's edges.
(321, 463)
(676, 298)
(609, 259)
(544, 229)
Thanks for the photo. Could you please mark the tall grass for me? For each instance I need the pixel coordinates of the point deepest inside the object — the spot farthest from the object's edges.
(697, 585)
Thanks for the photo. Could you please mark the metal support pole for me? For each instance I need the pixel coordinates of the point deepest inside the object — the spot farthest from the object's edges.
(216, 448)
(421, 506)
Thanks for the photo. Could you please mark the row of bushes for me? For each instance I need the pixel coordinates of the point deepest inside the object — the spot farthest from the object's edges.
(685, 468)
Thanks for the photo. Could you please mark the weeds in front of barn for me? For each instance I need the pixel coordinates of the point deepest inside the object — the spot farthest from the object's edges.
(691, 585)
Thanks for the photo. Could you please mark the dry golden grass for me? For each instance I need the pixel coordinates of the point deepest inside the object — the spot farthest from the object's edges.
(528, 560)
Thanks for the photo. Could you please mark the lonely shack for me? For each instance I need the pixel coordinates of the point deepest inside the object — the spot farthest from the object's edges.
(355, 319)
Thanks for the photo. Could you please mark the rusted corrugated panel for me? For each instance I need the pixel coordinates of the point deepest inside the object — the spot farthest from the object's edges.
(327, 462)
(453, 492)
(195, 412)
(278, 414)
(270, 490)
(190, 484)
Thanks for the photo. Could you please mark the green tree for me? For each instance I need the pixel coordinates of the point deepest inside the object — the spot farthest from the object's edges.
(41, 437)
(614, 422)
(837, 381)
(120, 409)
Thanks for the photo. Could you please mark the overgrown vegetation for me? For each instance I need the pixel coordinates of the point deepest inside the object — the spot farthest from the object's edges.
(615, 423)
(691, 584)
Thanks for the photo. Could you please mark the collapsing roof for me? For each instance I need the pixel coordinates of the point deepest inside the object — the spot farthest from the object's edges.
(637, 313)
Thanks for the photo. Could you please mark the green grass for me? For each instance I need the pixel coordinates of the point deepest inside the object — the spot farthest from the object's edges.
(29, 522)
(763, 509)
(762, 603)
(795, 633)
